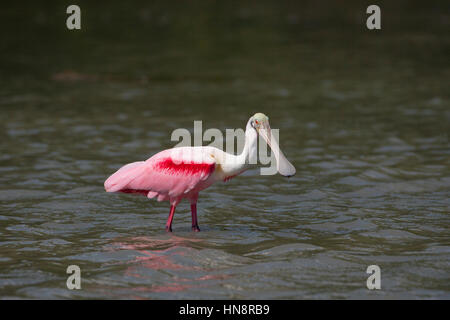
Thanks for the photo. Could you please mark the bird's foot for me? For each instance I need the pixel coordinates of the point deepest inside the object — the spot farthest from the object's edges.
(168, 229)
(195, 228)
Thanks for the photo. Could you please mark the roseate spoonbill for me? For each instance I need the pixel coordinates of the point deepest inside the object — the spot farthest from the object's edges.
(183, 172)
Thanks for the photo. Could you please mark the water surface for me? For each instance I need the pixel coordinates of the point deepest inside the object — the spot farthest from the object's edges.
(364, 117)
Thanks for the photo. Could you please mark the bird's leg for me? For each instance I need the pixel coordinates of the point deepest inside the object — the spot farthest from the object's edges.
(194, 217)
(169, 221)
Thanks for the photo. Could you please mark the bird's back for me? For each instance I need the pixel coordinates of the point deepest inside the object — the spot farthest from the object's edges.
(171, 174)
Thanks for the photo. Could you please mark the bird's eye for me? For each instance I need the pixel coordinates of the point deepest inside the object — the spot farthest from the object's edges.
(256, 121)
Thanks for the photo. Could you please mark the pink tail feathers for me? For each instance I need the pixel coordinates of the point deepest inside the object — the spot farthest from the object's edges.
(122, 177)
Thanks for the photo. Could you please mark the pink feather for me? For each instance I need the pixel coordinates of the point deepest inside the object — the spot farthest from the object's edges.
(167, 176)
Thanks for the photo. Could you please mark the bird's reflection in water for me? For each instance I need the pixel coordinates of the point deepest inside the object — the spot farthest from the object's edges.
(166, 254)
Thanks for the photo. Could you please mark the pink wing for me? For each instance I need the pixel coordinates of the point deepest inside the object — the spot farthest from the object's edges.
(164, 175)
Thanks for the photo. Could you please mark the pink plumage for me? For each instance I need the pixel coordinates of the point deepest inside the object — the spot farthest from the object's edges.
(164, 176)
(183, 172)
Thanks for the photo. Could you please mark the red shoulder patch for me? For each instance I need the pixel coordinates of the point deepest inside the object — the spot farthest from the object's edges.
(189, 168)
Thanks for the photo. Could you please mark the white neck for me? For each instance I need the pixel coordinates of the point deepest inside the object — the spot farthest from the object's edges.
(234, 165)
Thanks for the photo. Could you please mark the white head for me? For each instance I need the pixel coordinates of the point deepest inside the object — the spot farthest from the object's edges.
(260, 123)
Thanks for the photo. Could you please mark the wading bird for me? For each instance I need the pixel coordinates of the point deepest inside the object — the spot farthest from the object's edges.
(179, 173)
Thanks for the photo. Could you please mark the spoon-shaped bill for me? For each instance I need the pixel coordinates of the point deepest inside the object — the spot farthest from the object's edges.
(284, 167)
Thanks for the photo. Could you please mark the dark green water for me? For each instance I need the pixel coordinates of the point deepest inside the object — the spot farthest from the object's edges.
(363, 115)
